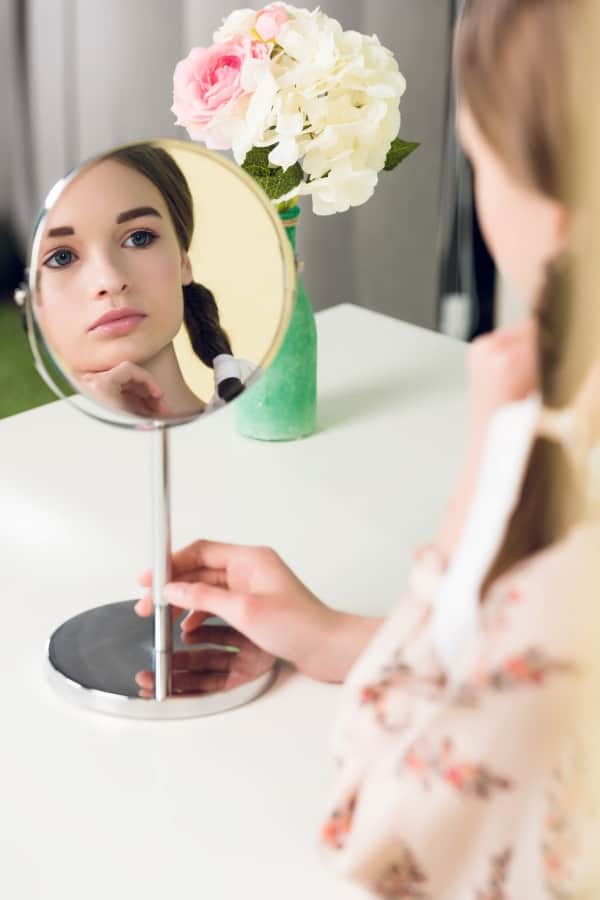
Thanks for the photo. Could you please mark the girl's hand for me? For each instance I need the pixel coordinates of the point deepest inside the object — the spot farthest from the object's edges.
(128, 387)
(502, 368)
(253, 590)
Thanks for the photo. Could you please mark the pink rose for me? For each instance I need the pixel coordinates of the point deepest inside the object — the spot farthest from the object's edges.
(269, 22)
(207, 83)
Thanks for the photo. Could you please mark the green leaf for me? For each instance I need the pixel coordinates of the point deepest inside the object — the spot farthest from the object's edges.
(274, 180)
(398, 152)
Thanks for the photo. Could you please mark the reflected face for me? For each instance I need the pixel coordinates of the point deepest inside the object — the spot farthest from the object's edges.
(110, 271)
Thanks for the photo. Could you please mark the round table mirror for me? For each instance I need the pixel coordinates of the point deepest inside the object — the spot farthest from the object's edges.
(160, 286)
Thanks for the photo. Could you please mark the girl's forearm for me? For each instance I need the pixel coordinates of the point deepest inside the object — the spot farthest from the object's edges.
(342, 641)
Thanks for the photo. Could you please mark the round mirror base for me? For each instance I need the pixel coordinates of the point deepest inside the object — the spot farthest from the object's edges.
(93, 660)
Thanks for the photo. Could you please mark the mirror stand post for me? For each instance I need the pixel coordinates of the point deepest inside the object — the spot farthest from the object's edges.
(161, 558)
(95, 657)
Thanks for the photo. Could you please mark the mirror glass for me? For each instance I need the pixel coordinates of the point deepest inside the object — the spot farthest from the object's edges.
(160, 284)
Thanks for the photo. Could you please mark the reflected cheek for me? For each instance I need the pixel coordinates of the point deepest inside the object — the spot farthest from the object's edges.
(164, 297)
(57, 316)
(161, 271)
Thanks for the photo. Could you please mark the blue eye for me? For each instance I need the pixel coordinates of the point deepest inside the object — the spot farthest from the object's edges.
(60, 259)
(141, 238)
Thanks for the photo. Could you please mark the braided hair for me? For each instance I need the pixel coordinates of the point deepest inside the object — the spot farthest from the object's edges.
(552, 497)
(201, 313)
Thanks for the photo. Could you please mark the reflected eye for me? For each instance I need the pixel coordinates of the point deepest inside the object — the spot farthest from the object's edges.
(60, 259)
(141, 238)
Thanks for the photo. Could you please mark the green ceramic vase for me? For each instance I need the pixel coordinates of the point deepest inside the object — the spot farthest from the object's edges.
(282, 405)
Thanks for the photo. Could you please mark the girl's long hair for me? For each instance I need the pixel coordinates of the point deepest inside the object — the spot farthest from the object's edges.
(514, 64)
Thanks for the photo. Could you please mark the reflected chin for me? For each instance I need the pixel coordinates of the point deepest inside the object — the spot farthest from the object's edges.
(137, 348)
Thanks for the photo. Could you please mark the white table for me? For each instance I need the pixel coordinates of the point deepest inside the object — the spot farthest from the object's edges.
(227, 806)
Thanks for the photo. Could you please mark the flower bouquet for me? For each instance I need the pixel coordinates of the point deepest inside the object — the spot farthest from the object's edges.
(306, 108)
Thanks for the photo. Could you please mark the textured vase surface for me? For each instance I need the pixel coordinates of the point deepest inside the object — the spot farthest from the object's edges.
(282, 405)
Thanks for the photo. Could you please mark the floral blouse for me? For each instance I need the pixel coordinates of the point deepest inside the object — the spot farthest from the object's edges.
(456, 785)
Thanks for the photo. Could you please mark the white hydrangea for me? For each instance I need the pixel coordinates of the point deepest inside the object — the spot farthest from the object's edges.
(239, 22)
(327, 98)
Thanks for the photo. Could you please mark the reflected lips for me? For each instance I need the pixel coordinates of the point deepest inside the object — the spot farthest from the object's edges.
(117, 322)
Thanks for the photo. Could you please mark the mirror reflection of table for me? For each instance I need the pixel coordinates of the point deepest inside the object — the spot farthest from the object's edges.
(229, 805)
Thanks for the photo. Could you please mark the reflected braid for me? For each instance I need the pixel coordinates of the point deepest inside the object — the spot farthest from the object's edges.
(207, 336)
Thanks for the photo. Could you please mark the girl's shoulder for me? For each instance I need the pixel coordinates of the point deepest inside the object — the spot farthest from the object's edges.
(550, 597)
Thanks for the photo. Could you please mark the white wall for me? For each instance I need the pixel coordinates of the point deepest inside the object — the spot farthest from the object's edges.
(101, 74)
(5, 133)
(396, 232)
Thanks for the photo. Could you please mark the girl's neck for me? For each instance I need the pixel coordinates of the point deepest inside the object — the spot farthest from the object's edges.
(177, 396)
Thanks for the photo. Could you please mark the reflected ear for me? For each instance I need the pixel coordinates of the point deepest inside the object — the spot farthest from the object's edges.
(186, 269)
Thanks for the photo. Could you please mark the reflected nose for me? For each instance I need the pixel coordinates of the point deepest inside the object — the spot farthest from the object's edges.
(109, 281)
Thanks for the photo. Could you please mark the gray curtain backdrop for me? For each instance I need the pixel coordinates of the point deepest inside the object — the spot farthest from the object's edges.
(87, 74)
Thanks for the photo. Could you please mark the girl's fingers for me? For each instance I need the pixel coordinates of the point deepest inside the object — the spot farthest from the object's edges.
(145, 607)
(209, 576)
(145, 578)
(135, 377)
(152, 388)
(207, 599)
(206, 576)
(203, 554)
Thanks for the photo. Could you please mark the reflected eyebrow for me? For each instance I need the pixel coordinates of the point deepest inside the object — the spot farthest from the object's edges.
(136, 213)
(61, 231)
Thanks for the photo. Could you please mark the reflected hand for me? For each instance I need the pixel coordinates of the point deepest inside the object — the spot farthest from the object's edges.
(253, 590)
(210, 669)
(128, 387)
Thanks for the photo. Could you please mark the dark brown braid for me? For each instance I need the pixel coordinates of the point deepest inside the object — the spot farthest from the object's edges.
(201, 313)
(201, 316)
(551, 498)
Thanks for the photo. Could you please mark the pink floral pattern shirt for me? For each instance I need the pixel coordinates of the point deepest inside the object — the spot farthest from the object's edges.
(453, 789)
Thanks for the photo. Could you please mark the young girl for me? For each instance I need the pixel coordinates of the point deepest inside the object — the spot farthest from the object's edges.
(456, 728)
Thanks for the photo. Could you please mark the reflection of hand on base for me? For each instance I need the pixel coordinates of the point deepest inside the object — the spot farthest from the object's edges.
(127, 387)
(208, 669)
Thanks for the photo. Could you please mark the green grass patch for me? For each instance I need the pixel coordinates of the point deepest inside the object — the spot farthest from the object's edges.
(21, 387)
